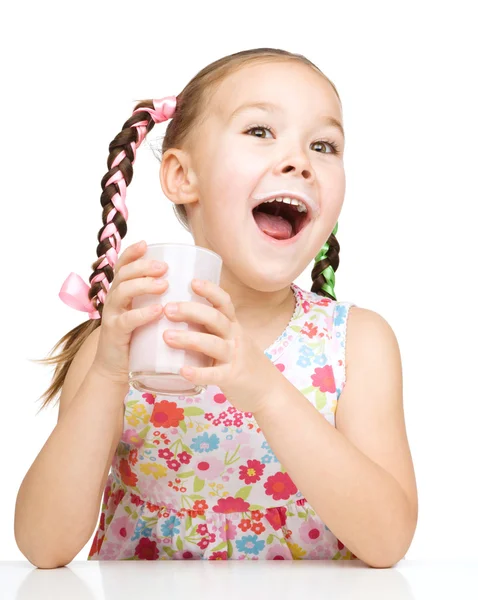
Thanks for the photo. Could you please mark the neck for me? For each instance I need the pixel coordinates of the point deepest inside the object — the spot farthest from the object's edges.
(255, 310)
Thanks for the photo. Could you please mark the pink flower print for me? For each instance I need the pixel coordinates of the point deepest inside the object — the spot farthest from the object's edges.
(110, 551)
(280, 486)
(121, 528)
(305, 306)
(229, 444)
(329, 324)
(278, 552)
(276, 516)
(148, 397)
(243, 437)
(252, 472)
(218, 555)
(185, 555)
(203, 543)
(326, 551)
(185, 457)
(165, 453)
(136, 500)
(230, 505)
(173, 464)
(227, 531)
(131, 437)
(202, 529)
(190, 400)
(212, 538)
(310, 531)
(324, 379)
(246, 451)
(154, 491)
(208, 467)
(146, 549)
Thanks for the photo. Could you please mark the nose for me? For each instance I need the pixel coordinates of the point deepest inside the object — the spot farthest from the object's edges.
(298, 164)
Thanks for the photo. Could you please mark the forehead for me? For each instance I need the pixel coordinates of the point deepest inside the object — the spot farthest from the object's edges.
(295, 88)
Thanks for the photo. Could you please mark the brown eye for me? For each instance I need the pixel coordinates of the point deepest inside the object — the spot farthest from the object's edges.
(258, 127)
(331, 144)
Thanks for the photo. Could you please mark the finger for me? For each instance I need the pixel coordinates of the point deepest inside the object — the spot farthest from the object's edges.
(215, 321)
(218, 297)
(211, 345)
(141, 266)
(203, 375)
(129, 289)
(130, 320)
(131, 253)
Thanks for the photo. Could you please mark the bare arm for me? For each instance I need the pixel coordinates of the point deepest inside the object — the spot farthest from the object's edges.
(58, 501)
(359, 476)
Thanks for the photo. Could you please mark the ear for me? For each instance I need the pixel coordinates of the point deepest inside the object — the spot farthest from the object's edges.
(178, 179)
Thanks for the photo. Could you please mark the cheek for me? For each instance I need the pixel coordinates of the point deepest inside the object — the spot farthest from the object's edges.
(230, 186)
(336, 190)
(237, 168)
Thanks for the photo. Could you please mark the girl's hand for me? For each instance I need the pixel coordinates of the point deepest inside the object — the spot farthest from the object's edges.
(240, 368)
(134, 276)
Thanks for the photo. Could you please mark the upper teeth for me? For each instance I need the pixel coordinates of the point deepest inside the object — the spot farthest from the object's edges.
(301, 207)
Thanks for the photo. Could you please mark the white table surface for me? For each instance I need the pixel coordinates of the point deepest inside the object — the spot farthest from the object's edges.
(241, 580)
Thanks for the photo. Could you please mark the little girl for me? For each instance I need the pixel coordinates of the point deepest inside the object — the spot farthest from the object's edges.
(265, 463)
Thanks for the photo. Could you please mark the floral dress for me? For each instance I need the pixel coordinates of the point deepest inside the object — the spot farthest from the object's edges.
(194, 478)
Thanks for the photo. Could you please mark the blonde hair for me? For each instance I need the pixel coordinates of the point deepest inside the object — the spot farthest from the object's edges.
(191, 107)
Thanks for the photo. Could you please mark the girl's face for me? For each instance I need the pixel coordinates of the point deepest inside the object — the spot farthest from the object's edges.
(233, 165)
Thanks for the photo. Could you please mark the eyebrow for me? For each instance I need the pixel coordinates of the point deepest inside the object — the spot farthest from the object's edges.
(271, 107)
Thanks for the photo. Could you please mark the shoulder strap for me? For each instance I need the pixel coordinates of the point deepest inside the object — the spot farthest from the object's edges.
(338, 342)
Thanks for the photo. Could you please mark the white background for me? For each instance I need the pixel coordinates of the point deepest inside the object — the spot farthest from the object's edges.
(406, 74)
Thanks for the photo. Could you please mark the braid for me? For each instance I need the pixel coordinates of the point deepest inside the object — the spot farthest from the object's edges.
(115, 214)
(326, 264)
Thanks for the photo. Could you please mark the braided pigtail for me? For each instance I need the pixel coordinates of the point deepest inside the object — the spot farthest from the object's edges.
(75, 292)
(326, 264)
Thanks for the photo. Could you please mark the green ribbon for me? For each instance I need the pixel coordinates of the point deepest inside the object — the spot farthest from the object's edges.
(328, 273)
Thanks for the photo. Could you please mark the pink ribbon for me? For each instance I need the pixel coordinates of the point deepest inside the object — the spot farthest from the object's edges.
(74, 291)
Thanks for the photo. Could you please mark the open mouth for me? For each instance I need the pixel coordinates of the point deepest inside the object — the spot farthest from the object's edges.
(279, 220)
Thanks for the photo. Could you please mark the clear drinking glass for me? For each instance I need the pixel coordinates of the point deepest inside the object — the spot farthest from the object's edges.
(154, 365)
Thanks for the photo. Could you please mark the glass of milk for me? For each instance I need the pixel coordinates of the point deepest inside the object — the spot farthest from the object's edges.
(154, 366)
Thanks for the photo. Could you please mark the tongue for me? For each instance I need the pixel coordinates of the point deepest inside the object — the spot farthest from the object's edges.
(274, 226)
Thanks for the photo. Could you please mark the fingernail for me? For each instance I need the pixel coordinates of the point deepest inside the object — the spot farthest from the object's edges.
(172, 308)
